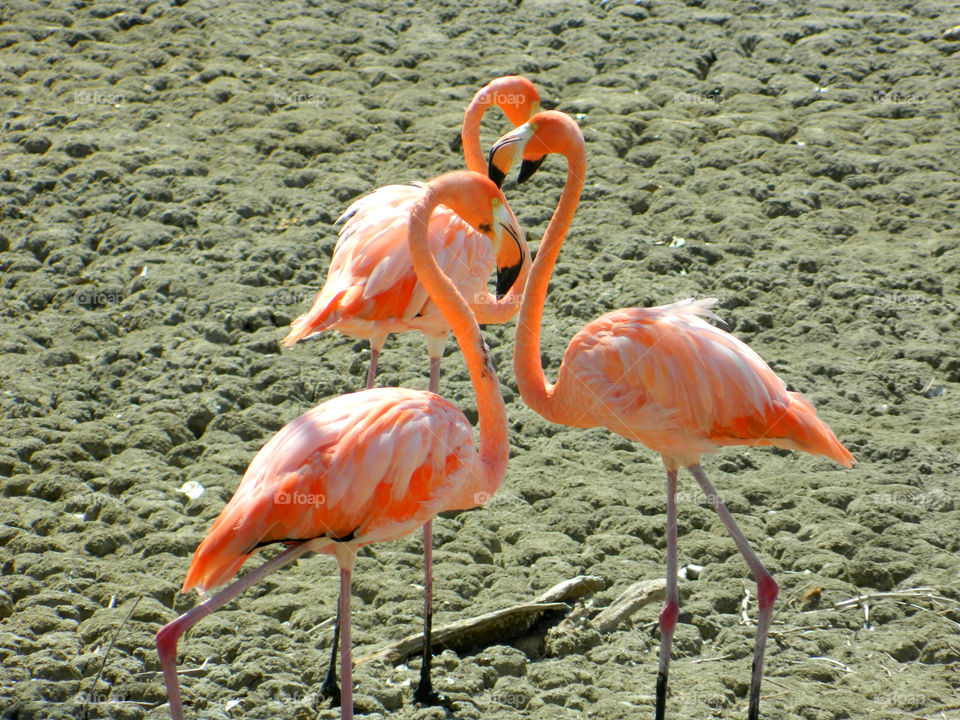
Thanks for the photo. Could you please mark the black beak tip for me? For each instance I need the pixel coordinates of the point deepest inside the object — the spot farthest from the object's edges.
(528, 168)
(506, 277)
(495, 174)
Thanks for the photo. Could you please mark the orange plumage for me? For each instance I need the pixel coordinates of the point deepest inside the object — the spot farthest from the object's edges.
(681, 386)
(373, 465)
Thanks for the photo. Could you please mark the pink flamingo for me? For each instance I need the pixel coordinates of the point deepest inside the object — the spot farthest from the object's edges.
(660, 375)
(367, 467)
(372, 291)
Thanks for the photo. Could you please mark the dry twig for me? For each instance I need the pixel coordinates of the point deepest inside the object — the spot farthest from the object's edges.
(632, 599)
(494, 627)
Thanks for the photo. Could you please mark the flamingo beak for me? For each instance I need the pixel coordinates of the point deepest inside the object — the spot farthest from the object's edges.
(506, 150)
(510, 249)
(501, 158)
(528, 168)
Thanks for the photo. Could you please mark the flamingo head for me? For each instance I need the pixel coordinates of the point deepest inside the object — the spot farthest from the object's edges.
(546, 132)
(482, 205)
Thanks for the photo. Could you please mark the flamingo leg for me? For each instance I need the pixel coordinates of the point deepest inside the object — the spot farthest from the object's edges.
(671, 603)
(435, 346)
(766, 586)
(168, 635)
(424, 693)
(331, 688)
(346, 662)
(376, 345)
(435, 375)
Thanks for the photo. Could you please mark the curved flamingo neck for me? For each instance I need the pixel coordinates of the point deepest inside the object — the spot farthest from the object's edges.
(470, 134)
(502, 92)
(494, 443)
(534, 388)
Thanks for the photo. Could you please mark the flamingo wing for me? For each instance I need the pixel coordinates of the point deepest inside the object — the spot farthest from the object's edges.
(665, 376)
(371, 287)
(369, 466)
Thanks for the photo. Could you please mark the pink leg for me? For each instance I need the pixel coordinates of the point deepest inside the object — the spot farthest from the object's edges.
(168, 635)
(372, 370)
(671, 602)
(766, 587)
(424, 693)
(346, 555)
(346, 661)
(435, 347)
(330, 688)
(435, 375)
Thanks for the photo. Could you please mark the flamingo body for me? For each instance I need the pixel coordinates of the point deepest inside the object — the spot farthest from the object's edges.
(371, 466)
(372, 290)
(681, 386)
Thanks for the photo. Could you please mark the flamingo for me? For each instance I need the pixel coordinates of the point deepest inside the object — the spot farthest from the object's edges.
(372, 291)
(662, 376)
(366, 467)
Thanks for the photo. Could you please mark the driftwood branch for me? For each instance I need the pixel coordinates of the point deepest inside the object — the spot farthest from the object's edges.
(632, 599)
(493, 627)
(504, 625)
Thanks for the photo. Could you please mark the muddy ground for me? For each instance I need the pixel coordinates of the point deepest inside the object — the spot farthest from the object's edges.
(169, 176)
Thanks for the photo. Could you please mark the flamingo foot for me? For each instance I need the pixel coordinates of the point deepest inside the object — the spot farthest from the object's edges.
(426, 695)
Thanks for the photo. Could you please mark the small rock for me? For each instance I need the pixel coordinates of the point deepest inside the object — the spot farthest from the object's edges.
(941, 651)
(59, 357)
(37, 144)
(102, 543)
(179, 218)
(300, 179)
(505, 660)
(79, 149)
